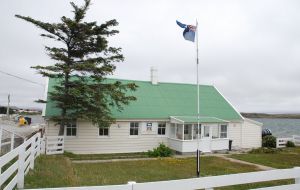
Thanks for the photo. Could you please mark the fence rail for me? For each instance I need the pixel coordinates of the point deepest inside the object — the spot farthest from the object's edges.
(16, 164)
(208, 183)
(281, 142)
(9, 140)
(54, 145)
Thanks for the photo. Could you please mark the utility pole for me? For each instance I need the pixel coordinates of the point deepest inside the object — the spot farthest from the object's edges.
(8, 101)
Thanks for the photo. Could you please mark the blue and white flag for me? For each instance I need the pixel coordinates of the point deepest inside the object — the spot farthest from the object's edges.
(189, 31)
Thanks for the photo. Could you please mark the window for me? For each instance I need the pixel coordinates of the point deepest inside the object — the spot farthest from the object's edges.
(206, 131)
(103, 131)
(71, 129)
(161, 130)
(215, 132)
(134, 128)
(195, 133)
(223, 133)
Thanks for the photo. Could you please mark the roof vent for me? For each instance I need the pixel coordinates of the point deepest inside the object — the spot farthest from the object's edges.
(154, 79)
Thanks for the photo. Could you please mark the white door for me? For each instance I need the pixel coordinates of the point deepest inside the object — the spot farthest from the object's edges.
(206, 139)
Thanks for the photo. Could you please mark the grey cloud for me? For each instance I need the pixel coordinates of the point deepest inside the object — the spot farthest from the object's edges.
(248, 49)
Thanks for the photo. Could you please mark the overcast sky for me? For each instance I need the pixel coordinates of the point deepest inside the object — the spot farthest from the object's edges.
(248, 49)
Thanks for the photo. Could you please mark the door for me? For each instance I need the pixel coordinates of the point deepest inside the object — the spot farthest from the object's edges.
(206, 139)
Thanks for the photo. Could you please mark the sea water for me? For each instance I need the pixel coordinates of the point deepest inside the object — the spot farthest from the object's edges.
(281, 127)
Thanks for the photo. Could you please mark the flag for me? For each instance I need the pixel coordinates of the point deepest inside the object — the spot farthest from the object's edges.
(189, 31)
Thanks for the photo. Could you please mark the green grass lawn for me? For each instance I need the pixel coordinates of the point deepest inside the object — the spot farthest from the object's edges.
(59, 171)
(105, 156)
(287, 158)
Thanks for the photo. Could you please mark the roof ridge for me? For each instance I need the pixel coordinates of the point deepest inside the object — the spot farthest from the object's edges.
(145, 81)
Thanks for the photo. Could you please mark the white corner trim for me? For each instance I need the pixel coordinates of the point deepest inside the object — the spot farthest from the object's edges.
(229, 102)
(45, 96)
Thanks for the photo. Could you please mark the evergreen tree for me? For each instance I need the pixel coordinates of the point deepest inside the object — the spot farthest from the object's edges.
(83, 62)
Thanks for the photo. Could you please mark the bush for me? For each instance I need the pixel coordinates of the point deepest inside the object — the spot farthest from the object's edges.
(161, 151)
(290, 144)
(269, 141)
(265, 150)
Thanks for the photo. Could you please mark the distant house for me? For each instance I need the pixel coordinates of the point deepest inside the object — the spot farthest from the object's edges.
(164, 112)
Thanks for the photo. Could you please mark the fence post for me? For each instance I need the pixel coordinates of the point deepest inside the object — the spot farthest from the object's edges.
(32, 152)
(21, 169)
(131, 183)
(0, 138)
(12, 141)
(39, 144)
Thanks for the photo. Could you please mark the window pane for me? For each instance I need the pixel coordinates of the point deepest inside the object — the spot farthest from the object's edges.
(106, 131)
(68, 131)
(136, 131)
(131, 131)
(100, 131)
(223, 128)
(223, 135)
(136, 124)
(163, 131)
(74, 132)
(215, 132)
(206, 131)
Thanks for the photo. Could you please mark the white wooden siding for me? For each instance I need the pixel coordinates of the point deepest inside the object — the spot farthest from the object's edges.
(251, 134)
(246, 134)
(234, 133)
(88, 141)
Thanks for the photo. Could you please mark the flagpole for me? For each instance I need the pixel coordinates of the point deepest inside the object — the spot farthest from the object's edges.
(198, 103)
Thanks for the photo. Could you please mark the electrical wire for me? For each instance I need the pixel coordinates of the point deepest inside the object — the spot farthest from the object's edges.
(27, 80)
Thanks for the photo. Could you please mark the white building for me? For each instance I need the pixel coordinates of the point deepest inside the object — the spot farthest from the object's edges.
(163, 113)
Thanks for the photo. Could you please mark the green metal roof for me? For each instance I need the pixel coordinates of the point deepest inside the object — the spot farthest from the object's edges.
(194, 119)
(164, 100)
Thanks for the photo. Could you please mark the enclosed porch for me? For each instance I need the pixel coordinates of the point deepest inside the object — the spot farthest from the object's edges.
(185, 134)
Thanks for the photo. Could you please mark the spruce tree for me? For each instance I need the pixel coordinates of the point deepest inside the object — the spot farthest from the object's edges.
(82, 62)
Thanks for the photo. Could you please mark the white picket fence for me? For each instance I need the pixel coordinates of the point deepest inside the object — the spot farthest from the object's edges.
(54, 145)
(15, 164)
(281, 142)
(208, 183)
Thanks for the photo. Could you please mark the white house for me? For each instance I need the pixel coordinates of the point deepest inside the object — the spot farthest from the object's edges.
(163, 113)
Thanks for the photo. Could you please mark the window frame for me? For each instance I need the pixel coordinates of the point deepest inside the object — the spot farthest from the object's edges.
(226, 125)
(136, 126)
(102, 128)
(71, 126)
(162, 128)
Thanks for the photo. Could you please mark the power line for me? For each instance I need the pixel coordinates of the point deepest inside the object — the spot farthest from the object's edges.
(27, 80)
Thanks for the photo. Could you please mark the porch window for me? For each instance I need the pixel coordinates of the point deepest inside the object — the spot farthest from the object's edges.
(206, 131)
(215, 132)
(161, 130)
(103, 131)
(134, 128)
(71, 129)
(179, 131)
(195, 133)
(188, 132)
(223, 133)
(172, 131)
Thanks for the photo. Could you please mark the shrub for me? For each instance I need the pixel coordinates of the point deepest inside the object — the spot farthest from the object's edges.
(269, 141)
(161, 151)
(290, 144)
(264, 150)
